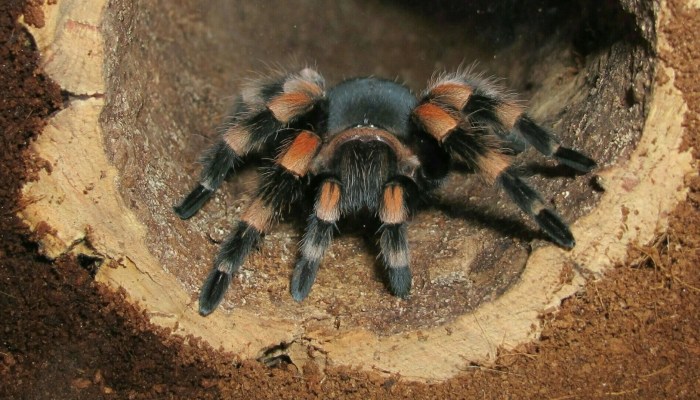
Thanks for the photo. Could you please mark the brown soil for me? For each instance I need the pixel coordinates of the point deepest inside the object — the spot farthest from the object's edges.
(633, 334)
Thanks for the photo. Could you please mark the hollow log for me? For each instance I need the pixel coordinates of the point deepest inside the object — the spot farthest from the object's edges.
(147, 85)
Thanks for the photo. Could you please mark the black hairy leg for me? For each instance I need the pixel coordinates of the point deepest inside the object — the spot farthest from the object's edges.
(231, 256)
(548, 145)
(488, 107)
(532, 204)
(317, 238)
(281, 186)
(395, 253)
(263, 119)
(472, 120)
(396, 206)
(217, 163)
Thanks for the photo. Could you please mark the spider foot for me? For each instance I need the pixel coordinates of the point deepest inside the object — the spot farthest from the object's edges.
(193, 202)
(399, 281)
(303, 278)
(574, 159)
(317, 238)
(555, 228)
(213, 291)
(548, 145)
(531, 202)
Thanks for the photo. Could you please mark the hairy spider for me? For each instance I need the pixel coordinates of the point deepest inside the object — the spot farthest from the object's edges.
(366, 145)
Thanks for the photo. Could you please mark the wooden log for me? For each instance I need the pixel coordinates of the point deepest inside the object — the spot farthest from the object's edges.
(146, 87)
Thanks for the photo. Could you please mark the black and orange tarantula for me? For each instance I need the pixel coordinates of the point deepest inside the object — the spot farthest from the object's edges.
(366, 145)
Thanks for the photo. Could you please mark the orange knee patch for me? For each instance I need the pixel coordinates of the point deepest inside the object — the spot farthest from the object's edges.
(258, 215)
(328, 204)
(298, 156)
(393, 210)
(436, 121)
(289, 105)
(238, 139)
(303, 86)
(452, 94)
(508, 113)
(299, 94)
(493, 164)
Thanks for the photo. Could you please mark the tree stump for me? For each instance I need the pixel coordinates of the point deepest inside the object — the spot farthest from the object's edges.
(146, 87)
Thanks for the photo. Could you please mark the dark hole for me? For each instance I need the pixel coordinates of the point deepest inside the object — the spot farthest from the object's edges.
(274, 357)
(90, 263)
(279, 361)
(592, 26)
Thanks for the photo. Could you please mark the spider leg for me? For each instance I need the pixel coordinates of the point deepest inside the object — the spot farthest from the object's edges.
(484, 104)
(482, 150)
(266, 109)
(282, 185)
(218, 161)
(548, 145)
(317, 238)
(393, 242)
(532, 203)
(231, 256)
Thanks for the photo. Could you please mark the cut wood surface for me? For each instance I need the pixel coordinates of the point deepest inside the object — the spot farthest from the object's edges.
(147, 86)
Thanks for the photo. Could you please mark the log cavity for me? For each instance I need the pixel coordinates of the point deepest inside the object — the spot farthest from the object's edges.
(585, 70)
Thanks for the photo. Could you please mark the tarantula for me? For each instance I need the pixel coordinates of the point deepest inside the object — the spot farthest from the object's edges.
(366, 145)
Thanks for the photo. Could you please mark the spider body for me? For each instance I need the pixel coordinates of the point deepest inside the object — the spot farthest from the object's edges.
(366, 146)
(370, 102)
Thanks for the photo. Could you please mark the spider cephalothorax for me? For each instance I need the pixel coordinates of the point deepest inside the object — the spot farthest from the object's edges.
(367, 146)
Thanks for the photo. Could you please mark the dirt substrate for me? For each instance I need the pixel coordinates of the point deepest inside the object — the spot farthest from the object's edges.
(632, 335)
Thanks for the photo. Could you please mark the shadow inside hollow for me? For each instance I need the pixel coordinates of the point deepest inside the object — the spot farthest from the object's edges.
(484, 218)
(368, 228)
(547, 171)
